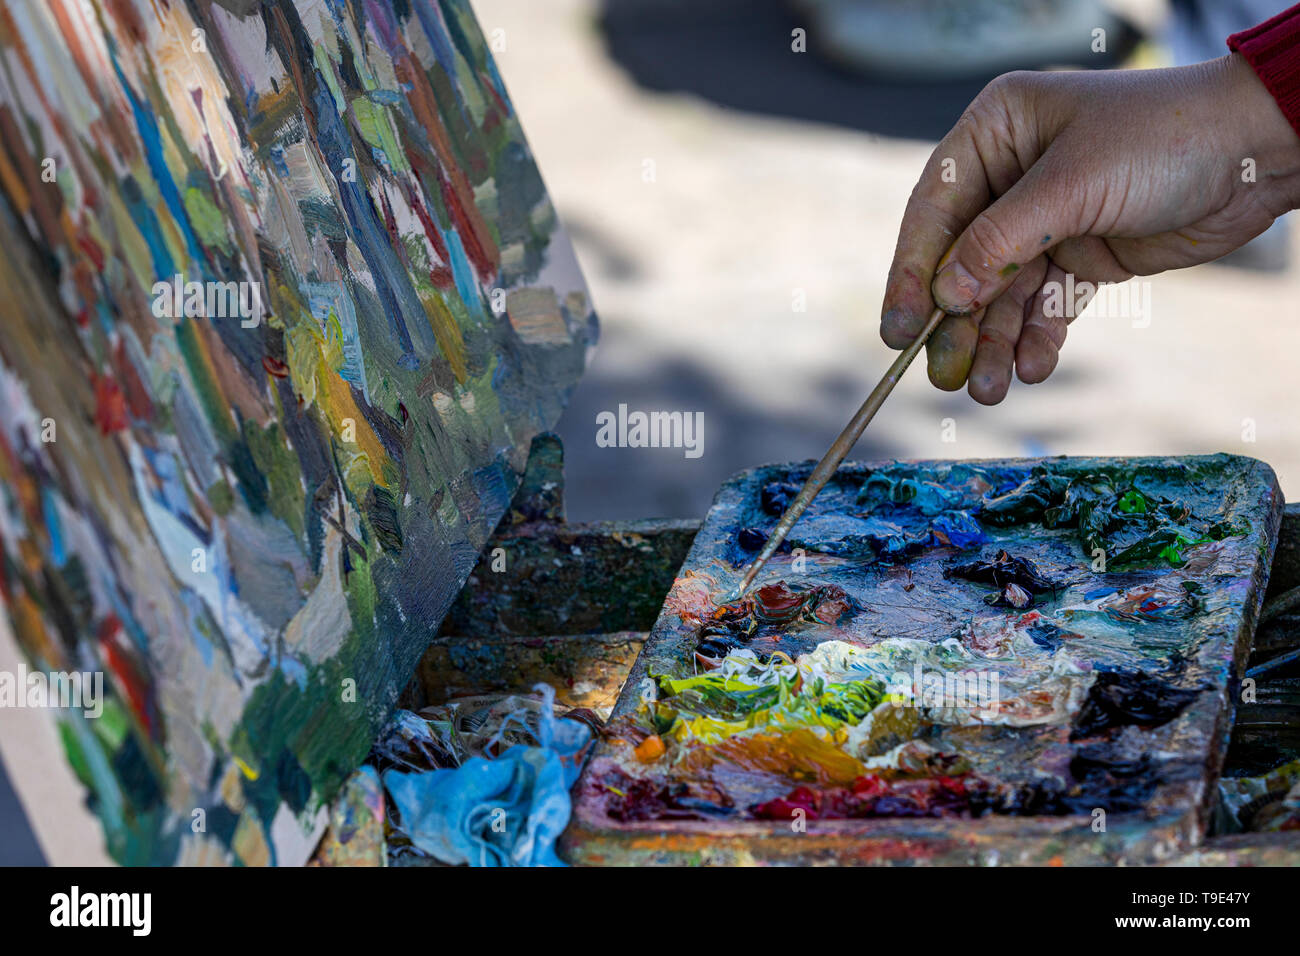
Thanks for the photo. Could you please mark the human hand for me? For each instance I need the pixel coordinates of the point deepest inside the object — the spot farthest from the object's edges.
(1102, 175)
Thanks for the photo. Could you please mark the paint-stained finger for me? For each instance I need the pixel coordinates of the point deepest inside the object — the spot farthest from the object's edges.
(988, 257)
(907, 290)
(927, 232)
(1043, 332)
(953, 188)
(995, 351)
(951, 349)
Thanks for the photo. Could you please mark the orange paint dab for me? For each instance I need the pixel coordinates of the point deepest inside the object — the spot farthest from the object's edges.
(650, 749)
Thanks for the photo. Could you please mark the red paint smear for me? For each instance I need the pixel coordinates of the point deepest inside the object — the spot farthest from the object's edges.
(129, 675)
(778, 603)
(92, 249)
(137, 395)
(128, 17)
(777, 599)
(430, 227)
(487, 84)
(275, 367)
(442, 277)
(872, 796)
(474, 251)
(110, 405)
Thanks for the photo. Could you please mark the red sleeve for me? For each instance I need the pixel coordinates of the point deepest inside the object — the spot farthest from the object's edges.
(1273, 51)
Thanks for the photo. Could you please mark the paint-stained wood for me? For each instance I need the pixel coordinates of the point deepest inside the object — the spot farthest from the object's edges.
(586, 670)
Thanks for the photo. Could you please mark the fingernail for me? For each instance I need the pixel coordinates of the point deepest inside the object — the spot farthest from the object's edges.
(954, 287)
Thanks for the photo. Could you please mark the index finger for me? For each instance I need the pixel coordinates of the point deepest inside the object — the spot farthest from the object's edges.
(950, 193)
(975, 163)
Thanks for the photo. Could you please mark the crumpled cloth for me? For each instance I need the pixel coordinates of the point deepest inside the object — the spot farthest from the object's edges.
(1267, 803)
(507, 811)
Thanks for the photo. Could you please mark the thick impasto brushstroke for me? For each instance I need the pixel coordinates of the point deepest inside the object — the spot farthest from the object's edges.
(284, 303)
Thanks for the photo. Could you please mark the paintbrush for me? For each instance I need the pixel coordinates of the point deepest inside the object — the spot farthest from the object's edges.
(831, 460)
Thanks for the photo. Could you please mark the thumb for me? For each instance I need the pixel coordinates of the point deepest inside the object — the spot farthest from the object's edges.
(986, 258)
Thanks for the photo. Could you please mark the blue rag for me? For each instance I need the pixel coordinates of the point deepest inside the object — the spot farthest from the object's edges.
(508, 811)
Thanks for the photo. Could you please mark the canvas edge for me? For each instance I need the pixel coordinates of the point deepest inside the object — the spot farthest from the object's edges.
(48, 790)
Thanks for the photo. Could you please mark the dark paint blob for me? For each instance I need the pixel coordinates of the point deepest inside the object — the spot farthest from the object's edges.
(776, 497)
(1111, 515)
(631, 799)
(1118, 699)
(381, 509)
(724, 635)
(1004, 570)
(718, 638)
(1026, 502)
(714, 647)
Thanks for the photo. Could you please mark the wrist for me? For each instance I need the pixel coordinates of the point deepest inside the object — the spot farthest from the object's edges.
(1262, 132)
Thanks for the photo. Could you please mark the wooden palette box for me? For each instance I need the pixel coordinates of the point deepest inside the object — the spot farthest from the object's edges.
(1042, 774)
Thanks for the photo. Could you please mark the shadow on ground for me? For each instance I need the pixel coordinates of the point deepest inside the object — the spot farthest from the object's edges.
(625, 483)
(630, 483)
(18, 846)
(736, 53)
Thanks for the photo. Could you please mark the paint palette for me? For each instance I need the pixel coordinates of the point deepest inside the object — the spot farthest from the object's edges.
(1020, 661)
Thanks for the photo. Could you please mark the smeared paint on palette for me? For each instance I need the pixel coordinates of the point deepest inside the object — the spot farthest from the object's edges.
(250, 501)
(940, 668)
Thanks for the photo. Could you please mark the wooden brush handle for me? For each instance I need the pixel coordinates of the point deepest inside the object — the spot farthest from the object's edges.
(838, 452)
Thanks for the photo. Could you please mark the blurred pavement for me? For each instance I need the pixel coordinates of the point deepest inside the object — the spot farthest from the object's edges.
(695, 274)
